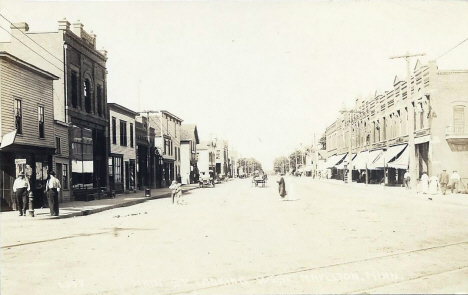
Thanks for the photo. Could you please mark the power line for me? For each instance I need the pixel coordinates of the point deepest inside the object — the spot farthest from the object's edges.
(32, 49)
(31, 38)
(452, 48)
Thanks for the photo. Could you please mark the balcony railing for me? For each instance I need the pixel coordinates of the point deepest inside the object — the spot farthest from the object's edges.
(457, 130)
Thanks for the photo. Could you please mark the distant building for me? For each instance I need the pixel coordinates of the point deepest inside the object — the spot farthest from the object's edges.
(188, 153)
(27, 134)
(147, 160)
(168, 131)
(206, 154)
(222, 159)
(122, 157)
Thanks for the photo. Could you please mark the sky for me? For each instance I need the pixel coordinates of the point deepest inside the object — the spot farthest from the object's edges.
(266, 76)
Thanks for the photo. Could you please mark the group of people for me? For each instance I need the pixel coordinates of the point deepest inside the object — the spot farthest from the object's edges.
(431, 184)
(22, 191)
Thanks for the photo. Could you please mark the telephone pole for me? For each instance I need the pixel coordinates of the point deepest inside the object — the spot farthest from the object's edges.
(409, 97)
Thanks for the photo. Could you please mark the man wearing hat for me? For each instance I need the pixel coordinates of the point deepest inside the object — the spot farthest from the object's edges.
(53, 188)
(443, 180)
(21, 188)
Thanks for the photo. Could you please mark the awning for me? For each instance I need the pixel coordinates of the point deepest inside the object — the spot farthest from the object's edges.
(346, 160)
(402, 162)
(365, 159)
(389, 155)
(333, 160)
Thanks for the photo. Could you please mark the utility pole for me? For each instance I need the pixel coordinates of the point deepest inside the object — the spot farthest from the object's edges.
(409, 97)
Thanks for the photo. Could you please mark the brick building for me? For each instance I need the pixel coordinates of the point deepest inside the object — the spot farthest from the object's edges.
(434, 109)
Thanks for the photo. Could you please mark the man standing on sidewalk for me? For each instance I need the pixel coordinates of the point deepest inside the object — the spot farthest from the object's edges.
(443, 180)
(53, 188)
(21, 188)
(407, 178)
(455, 179)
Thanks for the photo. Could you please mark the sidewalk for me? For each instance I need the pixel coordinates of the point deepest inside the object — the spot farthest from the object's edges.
(81, 208)
(449, 198)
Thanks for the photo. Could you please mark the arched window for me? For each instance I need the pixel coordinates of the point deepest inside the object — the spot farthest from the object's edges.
(87, 95)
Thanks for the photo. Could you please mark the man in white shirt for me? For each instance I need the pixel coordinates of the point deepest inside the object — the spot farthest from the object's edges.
(455, 179)
(21, 188)
(407, 178)
(53, 188)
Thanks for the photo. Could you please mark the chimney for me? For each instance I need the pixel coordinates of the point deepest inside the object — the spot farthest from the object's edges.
(64, 25)
(78, 28)
(20, 26)
(103, 52)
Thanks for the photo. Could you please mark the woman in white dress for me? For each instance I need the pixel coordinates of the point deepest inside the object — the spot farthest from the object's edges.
(425, 183)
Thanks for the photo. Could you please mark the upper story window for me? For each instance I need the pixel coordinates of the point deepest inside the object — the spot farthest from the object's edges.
(175, 129)
(18, 116)
(40, 118)
(74, 89)
(459, 119)
(58, 145)
(100, 102)
(87, 95)
(131, 134)
(123, 133)
(114, 130)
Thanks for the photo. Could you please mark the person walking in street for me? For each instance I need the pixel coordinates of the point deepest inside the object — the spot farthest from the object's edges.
(52, 188)
(407, 178)
(281, 185)
(424, 183)
(443, 180)
(433, 185)
(455, 179)
(176, 191)
(21, 188)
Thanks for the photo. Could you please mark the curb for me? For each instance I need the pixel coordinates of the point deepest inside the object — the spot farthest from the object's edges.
(110, 207)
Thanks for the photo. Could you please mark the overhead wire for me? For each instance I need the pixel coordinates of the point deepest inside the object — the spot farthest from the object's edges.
(32, 50)
(31, 38)
(453, 48)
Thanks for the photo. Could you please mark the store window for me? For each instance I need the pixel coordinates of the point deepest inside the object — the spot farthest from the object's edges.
(82, 157)
(118, 169)
(65, 176)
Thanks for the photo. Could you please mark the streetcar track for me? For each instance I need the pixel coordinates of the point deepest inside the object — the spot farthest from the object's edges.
(363, 291)
(301, 270)
(112, 231)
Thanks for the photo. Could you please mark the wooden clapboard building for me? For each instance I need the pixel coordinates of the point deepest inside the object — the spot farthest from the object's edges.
(26, 126)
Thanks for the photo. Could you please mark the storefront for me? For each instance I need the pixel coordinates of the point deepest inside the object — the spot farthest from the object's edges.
(34, 162)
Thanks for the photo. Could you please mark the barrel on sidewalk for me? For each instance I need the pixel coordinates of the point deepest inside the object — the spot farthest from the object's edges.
(147, 192)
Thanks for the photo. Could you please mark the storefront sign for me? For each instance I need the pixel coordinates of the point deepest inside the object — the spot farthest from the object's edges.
(20, 161)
